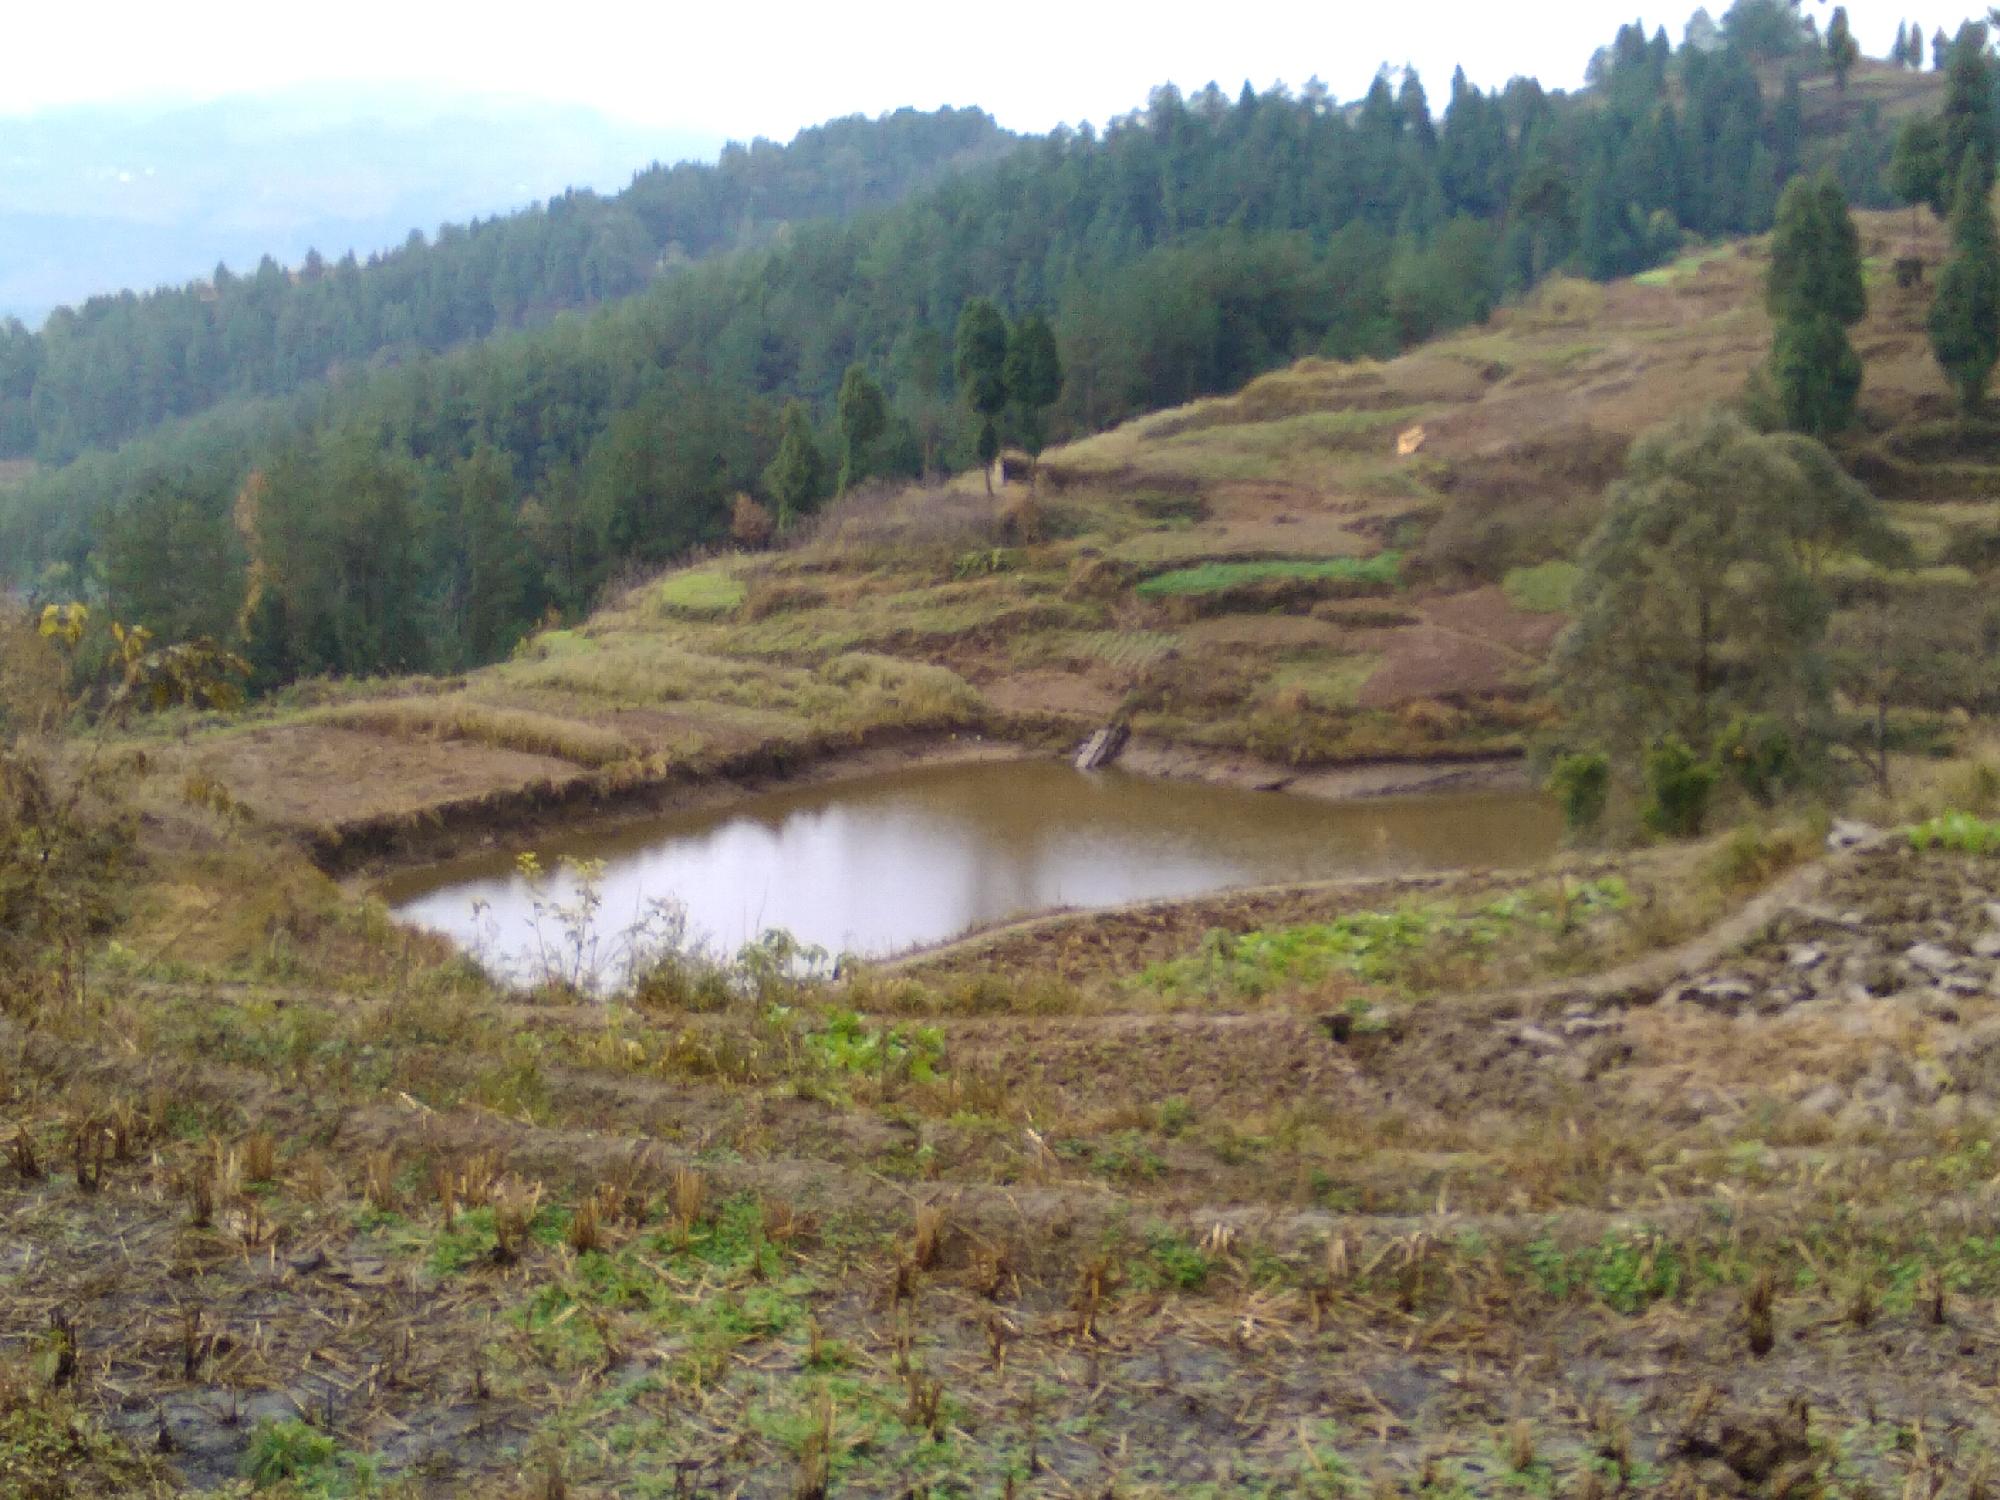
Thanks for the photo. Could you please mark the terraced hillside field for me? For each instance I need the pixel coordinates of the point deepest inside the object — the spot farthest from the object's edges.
(1264, 576)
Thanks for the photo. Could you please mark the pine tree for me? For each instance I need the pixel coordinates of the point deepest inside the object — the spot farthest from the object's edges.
(1817, 374)
(981, 365)
(797, 476)
(1033, 372)
(1968, 116)
(1842, 51)
(1916, 171)
(1788, 130)
(864, 417)
(1965, 315)
(1900, 54)
(1815, 292)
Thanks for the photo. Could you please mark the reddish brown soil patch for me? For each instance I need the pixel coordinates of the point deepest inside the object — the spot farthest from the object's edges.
(1432, 662)
(1261, 630)
(1491, 615)
(1062, 693)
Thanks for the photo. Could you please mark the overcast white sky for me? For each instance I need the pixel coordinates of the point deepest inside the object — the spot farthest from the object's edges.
(770, 67)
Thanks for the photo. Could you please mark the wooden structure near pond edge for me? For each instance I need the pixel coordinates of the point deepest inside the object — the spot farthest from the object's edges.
(1103, 747)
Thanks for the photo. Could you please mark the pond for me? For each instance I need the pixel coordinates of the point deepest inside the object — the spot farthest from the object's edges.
(882, 863)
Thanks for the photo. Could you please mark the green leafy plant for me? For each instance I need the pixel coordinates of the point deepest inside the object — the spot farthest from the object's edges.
(1581, 785)
(289, 1450)
(1372, 946)
(1678, 786)
(849, 1045)
(1176, 1263)
(1959, 832)
(1758, 751)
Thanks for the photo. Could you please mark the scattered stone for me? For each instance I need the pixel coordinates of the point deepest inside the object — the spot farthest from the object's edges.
(1725, 991)
(1932, 959)
(1848, 834)
(1824, 1100)
(1987, 945)
(1938, 1008)
(1873, 973)
(1590, 1025)
(1963, 984)
(1606, 1053)
(1806, 956)
(1929, 1079)
(1540, 1040)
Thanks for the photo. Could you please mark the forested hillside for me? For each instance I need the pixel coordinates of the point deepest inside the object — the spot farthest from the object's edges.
(146, 193)
(422, 517)
(120, 364)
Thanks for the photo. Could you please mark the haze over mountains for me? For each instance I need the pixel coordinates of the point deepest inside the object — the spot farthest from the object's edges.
(96, 198)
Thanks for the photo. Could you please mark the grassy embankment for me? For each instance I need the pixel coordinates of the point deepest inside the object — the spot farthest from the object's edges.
(1321, 1193)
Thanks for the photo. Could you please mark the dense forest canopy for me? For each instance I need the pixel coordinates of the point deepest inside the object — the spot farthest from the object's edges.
(424, 515)
(118, 365)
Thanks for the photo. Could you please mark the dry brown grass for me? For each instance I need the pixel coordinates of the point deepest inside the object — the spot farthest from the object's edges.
(458, 718)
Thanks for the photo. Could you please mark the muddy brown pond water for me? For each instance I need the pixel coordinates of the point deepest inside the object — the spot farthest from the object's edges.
(892, 861)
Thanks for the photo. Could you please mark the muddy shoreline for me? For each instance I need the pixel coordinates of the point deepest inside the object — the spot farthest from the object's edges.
(362, 856)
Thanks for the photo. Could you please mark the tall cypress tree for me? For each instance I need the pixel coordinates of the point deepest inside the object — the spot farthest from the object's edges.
(797, 475)
(1816, 293)
(1033, 372)
(1969, 122)
(1916, 170)
(981, 365)
(1842, 51)
(1965, 316)
(864, 416)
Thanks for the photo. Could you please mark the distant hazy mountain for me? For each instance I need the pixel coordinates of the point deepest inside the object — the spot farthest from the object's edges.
(101, 198)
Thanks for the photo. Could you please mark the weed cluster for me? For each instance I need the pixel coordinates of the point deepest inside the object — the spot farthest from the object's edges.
(1376, 947)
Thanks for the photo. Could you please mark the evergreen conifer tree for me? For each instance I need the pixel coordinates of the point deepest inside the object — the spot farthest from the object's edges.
(1965, 315)
(1916, 170)
(1842, 51)
(1815, 292)
(981, 365)
(1033, 373)
(797, 476)
(864, 417)
(1968, 116)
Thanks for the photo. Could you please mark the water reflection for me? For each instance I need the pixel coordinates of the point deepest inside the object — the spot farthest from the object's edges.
(878, 864)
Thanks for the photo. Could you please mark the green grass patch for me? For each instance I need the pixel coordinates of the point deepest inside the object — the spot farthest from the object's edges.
(1687, 266)
(702, 592)
(1211, 578)
(1544, 589)
(1327, 683)
(1374, 946)
(1958, 832)
(1628, 1270)
(307, 1463)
